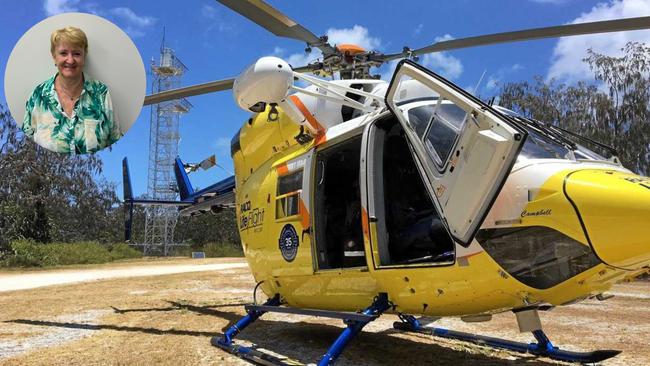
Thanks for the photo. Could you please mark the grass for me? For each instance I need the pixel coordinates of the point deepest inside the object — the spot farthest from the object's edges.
(29, 254)
(25, 253)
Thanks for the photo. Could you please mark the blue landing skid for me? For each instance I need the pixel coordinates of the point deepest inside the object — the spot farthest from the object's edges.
(355, 322)
(543, 347)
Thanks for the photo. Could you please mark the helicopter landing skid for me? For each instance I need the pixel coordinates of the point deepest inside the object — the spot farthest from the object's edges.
(543, 347)
(355, 322)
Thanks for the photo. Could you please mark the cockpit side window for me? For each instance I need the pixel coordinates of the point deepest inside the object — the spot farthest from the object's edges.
(438, 125)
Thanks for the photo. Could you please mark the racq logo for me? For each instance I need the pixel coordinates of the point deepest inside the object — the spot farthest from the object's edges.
(250, 217)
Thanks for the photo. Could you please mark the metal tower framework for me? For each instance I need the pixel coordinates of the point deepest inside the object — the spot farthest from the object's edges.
(163, 148)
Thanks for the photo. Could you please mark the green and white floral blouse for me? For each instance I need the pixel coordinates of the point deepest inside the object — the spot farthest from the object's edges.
(90, 128)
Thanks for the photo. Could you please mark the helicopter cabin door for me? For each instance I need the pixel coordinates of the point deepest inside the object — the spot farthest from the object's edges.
(462, 148)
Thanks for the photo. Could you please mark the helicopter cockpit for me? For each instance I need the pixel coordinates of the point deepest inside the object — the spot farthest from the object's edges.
(546, 141)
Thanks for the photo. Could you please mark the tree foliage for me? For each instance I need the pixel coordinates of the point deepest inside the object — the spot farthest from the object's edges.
(46, 196)
(196, 231)
(615, 110)
(220, 227)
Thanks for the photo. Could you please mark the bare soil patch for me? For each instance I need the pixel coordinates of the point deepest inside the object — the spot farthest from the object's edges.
(169, 320)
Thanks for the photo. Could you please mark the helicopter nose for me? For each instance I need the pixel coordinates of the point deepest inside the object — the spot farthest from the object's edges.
(614, 209)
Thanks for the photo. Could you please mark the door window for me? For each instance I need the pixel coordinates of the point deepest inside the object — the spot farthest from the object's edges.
(463, 148)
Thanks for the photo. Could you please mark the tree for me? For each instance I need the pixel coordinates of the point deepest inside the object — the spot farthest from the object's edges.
(615, 110)
(46, 196)
(220, 227)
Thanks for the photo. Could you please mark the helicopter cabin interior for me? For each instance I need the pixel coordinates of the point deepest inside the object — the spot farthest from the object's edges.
(409, 229)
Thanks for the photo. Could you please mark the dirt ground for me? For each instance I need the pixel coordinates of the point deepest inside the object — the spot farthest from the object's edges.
(169, 320)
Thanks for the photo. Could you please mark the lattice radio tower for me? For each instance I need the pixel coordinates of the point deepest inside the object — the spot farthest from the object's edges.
(163, 148)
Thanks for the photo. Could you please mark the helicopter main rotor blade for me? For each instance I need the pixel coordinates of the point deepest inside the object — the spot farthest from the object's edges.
(605, 26)
(189, 91)
(276, 22)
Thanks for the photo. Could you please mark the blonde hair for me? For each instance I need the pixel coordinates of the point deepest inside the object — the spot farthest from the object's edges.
(72, 35)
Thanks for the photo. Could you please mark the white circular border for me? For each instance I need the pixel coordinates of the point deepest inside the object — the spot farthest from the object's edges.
(112, 59)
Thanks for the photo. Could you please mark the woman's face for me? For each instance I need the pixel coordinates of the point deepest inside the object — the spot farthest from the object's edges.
(69, 60)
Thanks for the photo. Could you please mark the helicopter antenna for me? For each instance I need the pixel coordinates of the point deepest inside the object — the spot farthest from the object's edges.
(162, 43)
(224, 169)
(479, 81)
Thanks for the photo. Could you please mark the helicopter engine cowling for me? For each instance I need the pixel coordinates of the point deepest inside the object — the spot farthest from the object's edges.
(267, 81)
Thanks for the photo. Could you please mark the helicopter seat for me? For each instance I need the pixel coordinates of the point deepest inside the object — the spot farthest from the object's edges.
(415, 233)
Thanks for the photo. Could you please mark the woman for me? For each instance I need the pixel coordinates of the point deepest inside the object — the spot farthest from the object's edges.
(69, 113)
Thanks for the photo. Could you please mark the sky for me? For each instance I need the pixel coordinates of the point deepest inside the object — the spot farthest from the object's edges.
(216, 43)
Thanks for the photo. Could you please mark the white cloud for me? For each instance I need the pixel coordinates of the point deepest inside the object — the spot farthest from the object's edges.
(446, 37)
(567, 64)
(441, 62)
(135, 24)
(53, 7)
(132, 18)
(448, 66)
(357, 35)
(492, 83)
(130, 22)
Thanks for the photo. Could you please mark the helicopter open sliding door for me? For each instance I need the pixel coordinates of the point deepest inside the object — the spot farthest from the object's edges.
(463, 148)
(337, 213)
(404, 227)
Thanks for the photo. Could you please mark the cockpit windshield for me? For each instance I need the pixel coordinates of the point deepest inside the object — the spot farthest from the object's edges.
(548, 142)
(543, 142)
(538, 146)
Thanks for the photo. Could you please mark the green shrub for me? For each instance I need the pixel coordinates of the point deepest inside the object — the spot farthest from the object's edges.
(27, 253)
(78, 253)
(213, 250)
(124, 251)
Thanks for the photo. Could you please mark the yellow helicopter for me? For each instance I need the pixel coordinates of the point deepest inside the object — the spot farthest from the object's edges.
(358, 197)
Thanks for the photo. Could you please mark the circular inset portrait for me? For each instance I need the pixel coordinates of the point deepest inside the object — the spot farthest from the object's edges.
(75, 83)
